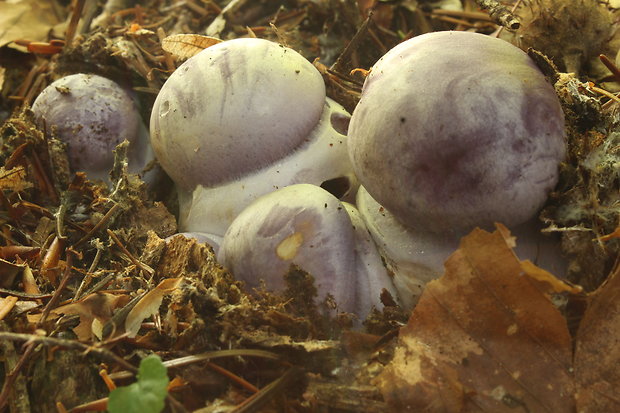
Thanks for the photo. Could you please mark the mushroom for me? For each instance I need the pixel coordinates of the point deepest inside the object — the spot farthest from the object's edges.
(242, 118)
(456, 130)
(93, 114)
(415, 257)
(305, 225)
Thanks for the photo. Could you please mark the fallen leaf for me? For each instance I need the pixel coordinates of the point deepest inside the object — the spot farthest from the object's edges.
(597, 353)
(484, 337)
(8, 272)
(6, 305)
(550, 283)
(14, 179)
(26, 19)
(149, 305)
(94, 309)
(29, 282)
(184, 46)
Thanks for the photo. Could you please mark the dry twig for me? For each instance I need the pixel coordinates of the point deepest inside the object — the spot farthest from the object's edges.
(500, 14)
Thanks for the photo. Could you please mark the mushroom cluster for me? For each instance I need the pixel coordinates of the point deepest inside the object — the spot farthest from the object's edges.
(453, 130)
(241, 119)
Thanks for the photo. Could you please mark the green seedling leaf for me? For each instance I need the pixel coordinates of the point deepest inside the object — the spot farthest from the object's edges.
(145, 395)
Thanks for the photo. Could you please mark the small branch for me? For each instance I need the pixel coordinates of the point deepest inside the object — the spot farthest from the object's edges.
(103, 353)
(500, 14)
(61, 286)
(611, 66)
(353, 44)
(133, 259)
(89, 274)
(99, 224)
(73, 23)
(21, 294)
(255, 402)
(19, 401)
(14, 375)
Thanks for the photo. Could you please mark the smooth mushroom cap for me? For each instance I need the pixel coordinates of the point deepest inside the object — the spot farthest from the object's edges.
(243, 103)
(92, 114)
(455, 130)
(306, 226)
(322, 160)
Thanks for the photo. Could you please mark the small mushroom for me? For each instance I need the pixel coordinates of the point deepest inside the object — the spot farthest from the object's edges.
(92, 115)
(305, 225)
(242, 118)
(456, 130)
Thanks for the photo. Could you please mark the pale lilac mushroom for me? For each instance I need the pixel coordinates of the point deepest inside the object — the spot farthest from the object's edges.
(92, 115)
(243, 118)
(305, 225)
(456, 130)
(453, 131)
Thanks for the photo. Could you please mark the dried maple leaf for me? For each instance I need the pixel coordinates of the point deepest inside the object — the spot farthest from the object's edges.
(484, 337)
(597, 354)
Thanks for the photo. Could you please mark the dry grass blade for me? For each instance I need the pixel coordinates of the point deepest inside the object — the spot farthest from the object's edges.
(184, 361)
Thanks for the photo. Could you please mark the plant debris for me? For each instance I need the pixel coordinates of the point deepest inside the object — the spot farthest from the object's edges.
(92, 280)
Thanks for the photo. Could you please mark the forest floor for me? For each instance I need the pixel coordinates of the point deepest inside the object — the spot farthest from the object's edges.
(89, 287)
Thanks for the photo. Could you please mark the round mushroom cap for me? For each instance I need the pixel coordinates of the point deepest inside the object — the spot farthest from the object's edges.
(234, 108)
(456, 130)
(307, 226)
(92, 114)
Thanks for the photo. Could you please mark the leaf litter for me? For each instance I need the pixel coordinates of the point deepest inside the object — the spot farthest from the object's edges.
(96, 279)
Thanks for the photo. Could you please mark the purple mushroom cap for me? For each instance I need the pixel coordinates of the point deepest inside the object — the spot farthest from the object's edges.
(232, 109)
(92, 114)
(456, 130)
(307, 226)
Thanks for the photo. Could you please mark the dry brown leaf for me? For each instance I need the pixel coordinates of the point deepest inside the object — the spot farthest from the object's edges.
(14, 179)
(6, 305)
(26, 19)
(184, 46)
(550, 283)
(29, 282)
(8, 272)
(484, 337)
(95, 309)
(597, 352)
(149, 305)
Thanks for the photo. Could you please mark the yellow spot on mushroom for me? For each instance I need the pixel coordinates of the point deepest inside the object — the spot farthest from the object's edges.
(287, 249)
